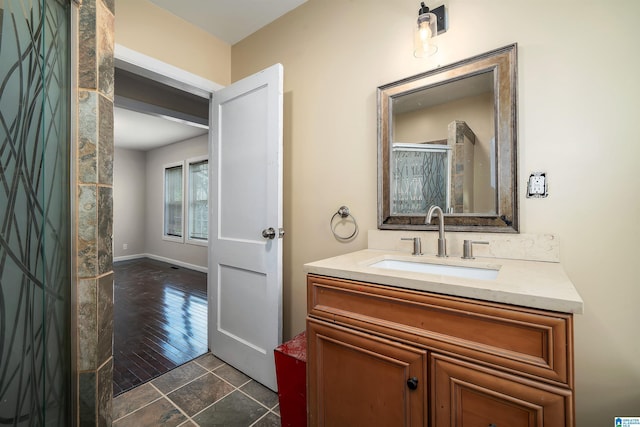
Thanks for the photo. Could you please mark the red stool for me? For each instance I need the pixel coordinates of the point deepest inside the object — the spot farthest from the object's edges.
(291, 375)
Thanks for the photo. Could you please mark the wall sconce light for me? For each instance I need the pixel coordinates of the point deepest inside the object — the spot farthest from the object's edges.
(430, 24)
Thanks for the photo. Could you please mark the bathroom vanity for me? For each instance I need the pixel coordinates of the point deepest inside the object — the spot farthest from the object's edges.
(397, 338)
(389, 345)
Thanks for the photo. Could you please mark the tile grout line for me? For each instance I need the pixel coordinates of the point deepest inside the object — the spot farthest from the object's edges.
(162, 395)
(256, 400)
(223, 397)
(207, 371)
(256, 421)
(238, 388)
(177, 406)
(183, 385)
(138, 409)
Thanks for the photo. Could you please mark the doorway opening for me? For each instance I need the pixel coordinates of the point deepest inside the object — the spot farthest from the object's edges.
(245, 214)
(160, 226)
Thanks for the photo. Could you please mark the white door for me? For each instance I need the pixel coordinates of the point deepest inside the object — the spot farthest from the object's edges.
(245, 268)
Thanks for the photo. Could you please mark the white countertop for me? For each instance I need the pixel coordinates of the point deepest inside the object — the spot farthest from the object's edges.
(534, 284)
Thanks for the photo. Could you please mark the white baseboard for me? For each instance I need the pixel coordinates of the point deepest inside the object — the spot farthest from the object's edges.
(163, 259)
(128, 257)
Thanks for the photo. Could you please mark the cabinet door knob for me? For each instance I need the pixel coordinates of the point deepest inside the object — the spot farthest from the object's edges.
(412, 383)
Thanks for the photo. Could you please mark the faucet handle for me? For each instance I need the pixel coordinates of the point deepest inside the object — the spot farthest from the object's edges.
(417, 244)
(467, 248)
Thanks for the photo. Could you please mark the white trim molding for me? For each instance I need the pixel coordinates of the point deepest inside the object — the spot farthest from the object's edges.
(143, 65)
(163, 259)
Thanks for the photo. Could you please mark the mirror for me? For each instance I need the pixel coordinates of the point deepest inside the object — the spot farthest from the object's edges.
(447, 137)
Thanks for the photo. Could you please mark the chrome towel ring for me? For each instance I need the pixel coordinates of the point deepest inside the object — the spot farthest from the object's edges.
(344, 213)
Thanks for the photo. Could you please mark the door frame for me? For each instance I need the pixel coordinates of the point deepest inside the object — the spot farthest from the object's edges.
(146, 66)
(162, 72)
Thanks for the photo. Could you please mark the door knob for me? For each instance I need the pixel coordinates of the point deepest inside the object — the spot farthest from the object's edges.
(270, 233)
(412, 383)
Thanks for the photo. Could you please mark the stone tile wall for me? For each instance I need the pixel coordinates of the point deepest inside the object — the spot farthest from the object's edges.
(461, 139)
(94, 214)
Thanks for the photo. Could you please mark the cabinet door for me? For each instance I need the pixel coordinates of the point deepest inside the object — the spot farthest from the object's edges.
(467, 395)
(355, 379)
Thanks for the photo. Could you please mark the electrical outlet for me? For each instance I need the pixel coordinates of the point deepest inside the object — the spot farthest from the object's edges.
(537, 186)
(125, 246)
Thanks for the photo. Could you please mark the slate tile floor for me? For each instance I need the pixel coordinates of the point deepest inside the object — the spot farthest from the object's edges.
(203, 392)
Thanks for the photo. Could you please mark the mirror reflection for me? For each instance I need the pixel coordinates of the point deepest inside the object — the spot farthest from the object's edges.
(447, 137)
(443, 150)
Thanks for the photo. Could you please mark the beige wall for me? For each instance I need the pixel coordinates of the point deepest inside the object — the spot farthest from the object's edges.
(432, 124)
(148, 29)
(579, 99)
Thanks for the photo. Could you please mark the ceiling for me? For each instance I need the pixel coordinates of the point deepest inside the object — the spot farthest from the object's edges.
(228, 20)
(444, 93)
(144, 132)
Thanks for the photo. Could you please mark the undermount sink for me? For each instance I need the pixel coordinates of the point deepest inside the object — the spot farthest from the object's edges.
(441, 269)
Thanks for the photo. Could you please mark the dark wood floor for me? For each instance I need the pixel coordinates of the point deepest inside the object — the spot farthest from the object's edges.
(160, 320)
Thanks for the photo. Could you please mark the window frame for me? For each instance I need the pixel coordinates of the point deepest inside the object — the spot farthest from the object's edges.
(166, 236)
(187, 201)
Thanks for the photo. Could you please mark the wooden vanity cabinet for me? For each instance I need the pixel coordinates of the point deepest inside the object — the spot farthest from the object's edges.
(349, 392)
(465, 394)
(384, 356)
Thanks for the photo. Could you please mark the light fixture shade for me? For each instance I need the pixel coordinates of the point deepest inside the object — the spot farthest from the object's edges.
(424, 39)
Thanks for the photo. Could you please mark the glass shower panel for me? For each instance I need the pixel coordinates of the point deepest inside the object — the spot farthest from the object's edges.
(35, 353)
(420, 178)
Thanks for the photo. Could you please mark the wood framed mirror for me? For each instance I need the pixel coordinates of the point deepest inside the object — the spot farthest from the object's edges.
(448, 137)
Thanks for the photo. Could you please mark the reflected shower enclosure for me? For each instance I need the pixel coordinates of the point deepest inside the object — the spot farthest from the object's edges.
(439, 173)
(420, 178)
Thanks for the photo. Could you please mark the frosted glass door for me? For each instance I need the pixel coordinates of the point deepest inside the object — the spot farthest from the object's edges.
(34, 213)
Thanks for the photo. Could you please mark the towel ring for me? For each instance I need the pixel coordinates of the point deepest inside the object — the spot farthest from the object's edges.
(343, 213)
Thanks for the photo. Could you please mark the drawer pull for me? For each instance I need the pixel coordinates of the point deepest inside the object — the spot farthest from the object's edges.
(412, 383)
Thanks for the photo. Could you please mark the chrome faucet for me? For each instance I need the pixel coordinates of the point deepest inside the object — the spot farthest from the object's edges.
(442, 242)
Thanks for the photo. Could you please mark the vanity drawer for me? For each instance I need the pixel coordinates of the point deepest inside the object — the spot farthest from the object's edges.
(527, 341)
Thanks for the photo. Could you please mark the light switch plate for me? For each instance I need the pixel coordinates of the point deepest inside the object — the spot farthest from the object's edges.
(537, 185)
